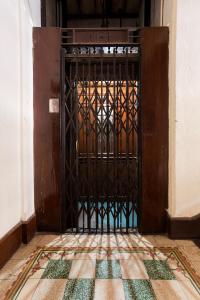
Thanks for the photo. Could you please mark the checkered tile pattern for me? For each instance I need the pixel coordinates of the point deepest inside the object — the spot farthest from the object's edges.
(58, 275)
(85, 279)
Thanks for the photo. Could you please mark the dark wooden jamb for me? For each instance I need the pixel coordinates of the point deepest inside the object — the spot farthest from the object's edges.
(154, 128)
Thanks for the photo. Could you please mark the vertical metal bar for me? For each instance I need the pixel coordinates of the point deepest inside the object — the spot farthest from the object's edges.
(76, 190)
(120, 140)
(71, 151)
(114, 143)
(133, 142)
(139, 139)
(127, 145)
(87, 165)
(84, 144)
(96, 146)
(73, 134)
(107, 148)
(63, 146)
(101, 139)
(117, 150)
(88, 136)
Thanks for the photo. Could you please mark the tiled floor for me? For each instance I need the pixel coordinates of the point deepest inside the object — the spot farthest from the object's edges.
(101, 274)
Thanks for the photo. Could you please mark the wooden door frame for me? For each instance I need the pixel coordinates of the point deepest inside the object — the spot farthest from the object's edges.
(155, 128)
(154, 124)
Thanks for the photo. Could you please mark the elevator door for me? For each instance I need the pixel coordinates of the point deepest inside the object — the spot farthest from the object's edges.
(100, 138)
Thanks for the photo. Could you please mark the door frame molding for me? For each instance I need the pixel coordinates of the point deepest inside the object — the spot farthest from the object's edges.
(154, 171)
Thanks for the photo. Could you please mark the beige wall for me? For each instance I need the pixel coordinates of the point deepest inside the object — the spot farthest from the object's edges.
(156, 12)
(187, 163)
(162, 12)
(169, 18)
(182, 17)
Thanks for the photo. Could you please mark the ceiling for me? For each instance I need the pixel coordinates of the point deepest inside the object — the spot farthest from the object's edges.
(97, 8)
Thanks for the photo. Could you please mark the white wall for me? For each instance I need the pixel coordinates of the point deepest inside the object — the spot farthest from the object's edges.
(16, 111)
(10, 185)
(187, 186)
(182, 17)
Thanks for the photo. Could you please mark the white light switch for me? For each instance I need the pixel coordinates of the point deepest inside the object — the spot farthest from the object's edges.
(54, 105)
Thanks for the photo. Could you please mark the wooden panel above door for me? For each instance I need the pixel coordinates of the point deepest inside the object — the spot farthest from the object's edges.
(47, 128)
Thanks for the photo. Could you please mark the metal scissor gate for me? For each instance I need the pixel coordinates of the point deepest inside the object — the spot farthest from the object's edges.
(100, 137)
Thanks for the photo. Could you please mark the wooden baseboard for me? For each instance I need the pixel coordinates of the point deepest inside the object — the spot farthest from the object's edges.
(10, 243)
(28, 229)
(184, 228)
(23, 232)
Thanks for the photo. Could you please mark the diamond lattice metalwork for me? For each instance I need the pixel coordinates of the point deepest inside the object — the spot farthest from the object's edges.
(100, 143)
